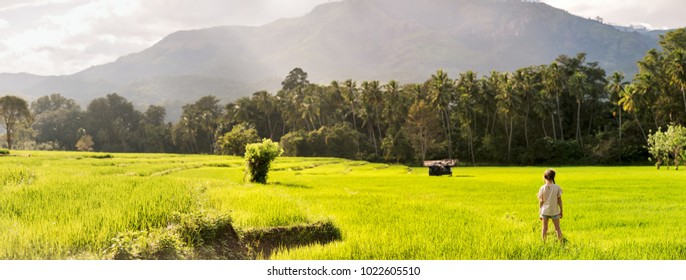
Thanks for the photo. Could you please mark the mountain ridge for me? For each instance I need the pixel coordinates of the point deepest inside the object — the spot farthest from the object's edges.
(405, 40)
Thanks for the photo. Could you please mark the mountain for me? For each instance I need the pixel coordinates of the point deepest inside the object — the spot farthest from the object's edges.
(406, 40)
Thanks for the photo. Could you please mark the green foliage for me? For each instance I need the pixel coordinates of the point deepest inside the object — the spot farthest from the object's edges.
(185, 238)
(340, 140)
(234, 142)
(14, 111)
(423, 126)
(155, 134)
(57, 121)
(525, 117)
(110, 121)
(197, 129)
(294, 144)
(160, 244)
(397, 148)
(296, 78)
(4, 152)
(200, 228)
(663, 145)
(258, 159)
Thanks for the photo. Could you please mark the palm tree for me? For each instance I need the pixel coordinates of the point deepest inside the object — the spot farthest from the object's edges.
(553, 84)
(490, 87)
(310, 107)
(577, 85)
(544, 106)
(677, 72)
(525, 82)
(615, 88)
(350, 95)
(394, 106)
(630, 102)
(507, 104)
(441, 96)
(334, 104)
(467, 91)
(265, 103)
(372, 99)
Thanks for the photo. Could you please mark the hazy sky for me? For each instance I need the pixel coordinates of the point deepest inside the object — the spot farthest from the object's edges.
(57, 37)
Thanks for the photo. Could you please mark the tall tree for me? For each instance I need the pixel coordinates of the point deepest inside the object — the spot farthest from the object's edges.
(296, 78)
(372, 100)
(201, 121)
(422, 125)
(507, 104)
(676, 68)
(578, 87)
(113, 122)
(630, 102)
(615, 89)
(674, 40)
(441, 96)
(265, 103)
(525, 84)
(13, 111)
(57, 121)
(351, 97)
(553, 85)
(155, 134)
(467, 90)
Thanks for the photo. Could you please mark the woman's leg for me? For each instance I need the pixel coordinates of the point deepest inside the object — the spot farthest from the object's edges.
(556, 222)
(545, 228)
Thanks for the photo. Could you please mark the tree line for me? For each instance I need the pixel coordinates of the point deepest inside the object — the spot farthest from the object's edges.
(568, 111)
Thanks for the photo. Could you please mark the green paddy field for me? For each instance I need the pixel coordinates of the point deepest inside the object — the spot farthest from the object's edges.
(64, 205)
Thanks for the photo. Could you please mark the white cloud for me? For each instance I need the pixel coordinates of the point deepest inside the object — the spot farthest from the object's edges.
(657, 13)
(66, 36)
(10, 5)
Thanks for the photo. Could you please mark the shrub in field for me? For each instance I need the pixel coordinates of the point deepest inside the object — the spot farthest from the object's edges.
(4, 152)
(189, 236)
(663, 144)
(199, 229)
(160, 244)
(258, 159)
(85, 143)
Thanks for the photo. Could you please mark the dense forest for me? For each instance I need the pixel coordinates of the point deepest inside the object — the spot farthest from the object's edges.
(569, 111)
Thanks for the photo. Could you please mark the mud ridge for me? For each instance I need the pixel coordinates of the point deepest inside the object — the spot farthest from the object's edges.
(263, 243)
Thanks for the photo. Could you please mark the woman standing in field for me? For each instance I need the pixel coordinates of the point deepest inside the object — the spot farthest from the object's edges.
(550, 203)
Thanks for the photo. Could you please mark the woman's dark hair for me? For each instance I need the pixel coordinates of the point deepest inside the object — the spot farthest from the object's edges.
(549, 175)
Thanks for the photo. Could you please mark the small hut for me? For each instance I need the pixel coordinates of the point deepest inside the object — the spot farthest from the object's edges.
(440, 167)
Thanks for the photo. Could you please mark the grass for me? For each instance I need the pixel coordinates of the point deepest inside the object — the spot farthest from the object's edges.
(59, 205)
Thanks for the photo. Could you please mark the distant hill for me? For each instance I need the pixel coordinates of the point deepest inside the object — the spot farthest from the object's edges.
(406, 40)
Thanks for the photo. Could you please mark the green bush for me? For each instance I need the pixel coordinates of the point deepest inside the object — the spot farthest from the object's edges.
(188, 236)
(294, 144)
(234, 142)
(4, 152)
(258, 159)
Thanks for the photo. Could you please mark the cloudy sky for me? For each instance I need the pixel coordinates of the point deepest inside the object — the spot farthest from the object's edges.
(59, 37)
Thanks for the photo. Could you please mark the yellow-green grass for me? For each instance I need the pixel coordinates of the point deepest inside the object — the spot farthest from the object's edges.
(58, 205)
